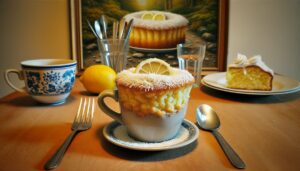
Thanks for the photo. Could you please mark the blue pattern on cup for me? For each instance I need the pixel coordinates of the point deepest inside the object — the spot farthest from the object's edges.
(50, 83)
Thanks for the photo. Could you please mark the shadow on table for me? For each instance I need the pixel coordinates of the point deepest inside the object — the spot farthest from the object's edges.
(28, 101)
(86, 93)
(262, 99)
(144, 156)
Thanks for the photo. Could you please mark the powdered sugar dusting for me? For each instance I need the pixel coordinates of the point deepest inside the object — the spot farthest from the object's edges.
(154, 81)
(172, 20)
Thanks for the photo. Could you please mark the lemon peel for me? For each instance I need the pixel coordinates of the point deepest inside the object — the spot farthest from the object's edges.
(97, 78)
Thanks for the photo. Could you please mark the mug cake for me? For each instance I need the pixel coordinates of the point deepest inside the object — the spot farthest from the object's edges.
(154, 88)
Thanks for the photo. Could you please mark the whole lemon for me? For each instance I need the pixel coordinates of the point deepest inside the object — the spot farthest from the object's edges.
(97, 78)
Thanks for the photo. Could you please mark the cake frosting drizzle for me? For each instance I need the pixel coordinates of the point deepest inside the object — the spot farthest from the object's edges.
(242, 61)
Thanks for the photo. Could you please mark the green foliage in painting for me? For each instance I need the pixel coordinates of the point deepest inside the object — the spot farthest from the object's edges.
(202, 16)
(93, 9)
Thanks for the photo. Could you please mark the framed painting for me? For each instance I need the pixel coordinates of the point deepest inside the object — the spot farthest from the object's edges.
(207, 22)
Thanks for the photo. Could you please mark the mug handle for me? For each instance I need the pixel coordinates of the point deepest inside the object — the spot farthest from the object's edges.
(20, 75)
(107, 110)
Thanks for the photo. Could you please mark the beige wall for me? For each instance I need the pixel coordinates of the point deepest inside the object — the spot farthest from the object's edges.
(32, 29)
(267, 27)
(40, 29)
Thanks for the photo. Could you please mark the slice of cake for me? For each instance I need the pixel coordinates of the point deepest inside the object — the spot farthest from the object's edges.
(249, 74)
(156, 29)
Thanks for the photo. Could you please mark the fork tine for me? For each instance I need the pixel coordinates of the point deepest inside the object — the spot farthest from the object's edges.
(87, 113)
(82, 119)
(77, 117)
(91, 112)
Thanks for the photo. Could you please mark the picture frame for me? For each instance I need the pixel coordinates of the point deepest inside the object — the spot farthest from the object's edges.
(220, 46)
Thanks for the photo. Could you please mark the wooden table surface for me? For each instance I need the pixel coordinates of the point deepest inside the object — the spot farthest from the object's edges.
(264, 131)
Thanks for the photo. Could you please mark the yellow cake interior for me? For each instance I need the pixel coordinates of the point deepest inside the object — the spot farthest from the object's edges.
(154, 102)
(157, 39)
(249, 78)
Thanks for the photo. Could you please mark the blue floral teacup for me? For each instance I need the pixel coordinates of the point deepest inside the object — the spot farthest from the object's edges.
(46, 80)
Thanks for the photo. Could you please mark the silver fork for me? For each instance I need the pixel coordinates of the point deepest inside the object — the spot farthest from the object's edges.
(82, 122)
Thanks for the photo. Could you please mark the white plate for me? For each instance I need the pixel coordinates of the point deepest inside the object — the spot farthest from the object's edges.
(117, 134)
(153, 50)
(281, 85)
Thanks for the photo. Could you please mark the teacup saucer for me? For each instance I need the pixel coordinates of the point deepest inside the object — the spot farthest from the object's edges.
(116, 133)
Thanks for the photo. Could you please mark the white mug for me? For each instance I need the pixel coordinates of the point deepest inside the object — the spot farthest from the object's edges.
(148, 128)
(46, 80)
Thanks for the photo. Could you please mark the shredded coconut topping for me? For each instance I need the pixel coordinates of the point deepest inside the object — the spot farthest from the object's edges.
(172, 20)
(149, 82)
(242, 61)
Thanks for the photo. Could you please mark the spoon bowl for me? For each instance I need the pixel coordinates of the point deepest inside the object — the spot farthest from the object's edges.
(208, 120)
(98, 29)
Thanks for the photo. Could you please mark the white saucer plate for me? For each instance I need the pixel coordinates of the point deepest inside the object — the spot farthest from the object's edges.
(281, 85)
(153, 50)
(116, 133)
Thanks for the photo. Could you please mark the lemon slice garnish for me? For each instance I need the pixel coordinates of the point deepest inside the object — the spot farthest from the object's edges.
(159, 17)
(147, 16)
(153, 66)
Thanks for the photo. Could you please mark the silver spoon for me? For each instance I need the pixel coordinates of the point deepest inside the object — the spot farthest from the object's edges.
(208, 120)
(98, 29)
